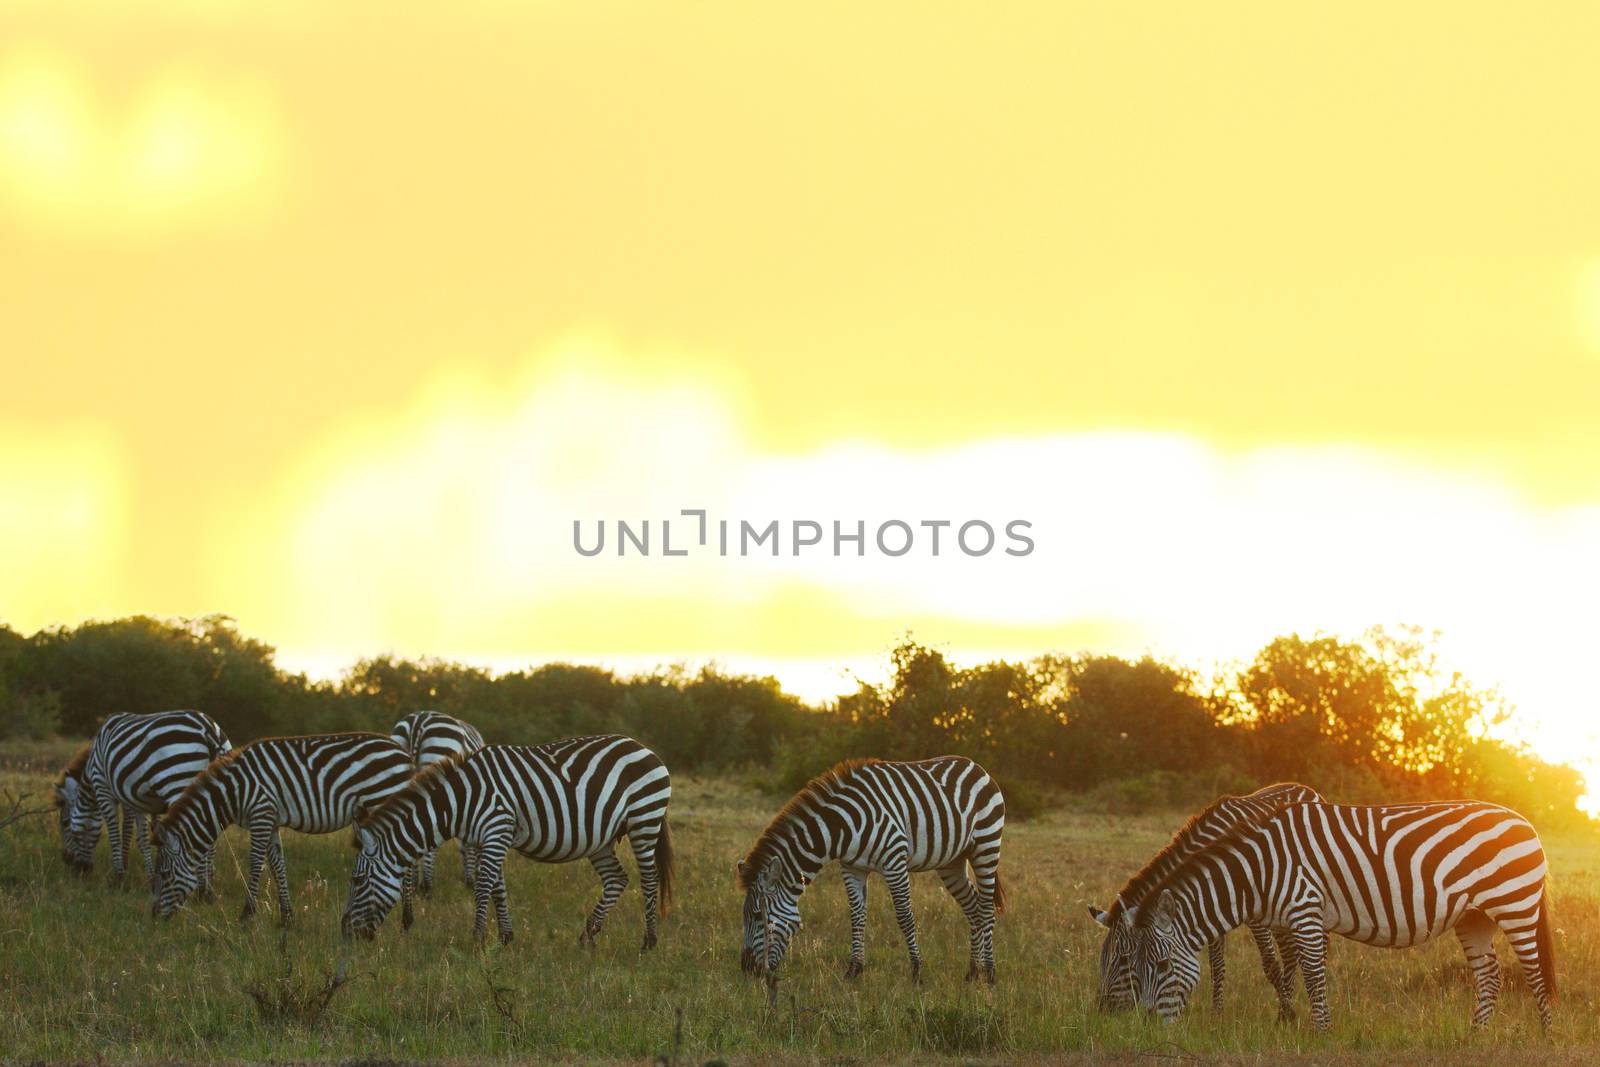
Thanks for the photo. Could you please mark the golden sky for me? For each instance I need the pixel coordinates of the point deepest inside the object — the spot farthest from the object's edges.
(333, 316)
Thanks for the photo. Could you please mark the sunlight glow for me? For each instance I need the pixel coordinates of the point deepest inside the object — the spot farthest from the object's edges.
(185, 144)
(1151, 541)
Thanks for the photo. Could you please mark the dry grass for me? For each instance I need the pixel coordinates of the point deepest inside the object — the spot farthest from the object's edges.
(85, 972)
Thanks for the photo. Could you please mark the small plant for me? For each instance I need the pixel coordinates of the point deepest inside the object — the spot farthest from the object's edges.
(15, 813)
(957, 1029)
(286, 999)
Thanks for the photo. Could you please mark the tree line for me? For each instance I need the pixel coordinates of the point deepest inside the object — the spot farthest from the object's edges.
(1376, 718)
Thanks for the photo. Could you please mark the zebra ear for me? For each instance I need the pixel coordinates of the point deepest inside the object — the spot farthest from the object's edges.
(1101, 917)
(1161, 909)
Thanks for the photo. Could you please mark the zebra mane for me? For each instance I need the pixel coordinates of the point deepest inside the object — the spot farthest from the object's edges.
(1193, 862)
(1176, 851)
(820, 786)
(74, 767)
(420, 785)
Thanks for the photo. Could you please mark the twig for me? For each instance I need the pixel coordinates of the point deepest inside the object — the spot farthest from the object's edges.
(16, 813)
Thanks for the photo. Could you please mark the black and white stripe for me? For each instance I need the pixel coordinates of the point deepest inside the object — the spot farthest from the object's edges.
(1222, 817)
(313, 784)
(554, 803)
(1390, 876)
(432, 736)
(894, 819)
(138, 764)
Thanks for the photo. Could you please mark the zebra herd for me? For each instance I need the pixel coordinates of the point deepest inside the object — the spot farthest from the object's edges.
(1282, 862)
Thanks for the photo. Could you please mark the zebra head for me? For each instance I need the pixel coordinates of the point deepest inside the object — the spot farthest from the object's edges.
(1164, 965)
(1116, 957)
(177, 873)
(771, 916)
(80, 824)
(375, 884)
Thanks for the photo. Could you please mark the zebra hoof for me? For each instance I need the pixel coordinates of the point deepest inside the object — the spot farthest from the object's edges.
(916, 974)
(649, 941)
(988, 974)
(247, 913)
(1286, 1015)
(853, 970)
(506, 936)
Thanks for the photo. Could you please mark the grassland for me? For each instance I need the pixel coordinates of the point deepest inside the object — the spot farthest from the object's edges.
(85, 972)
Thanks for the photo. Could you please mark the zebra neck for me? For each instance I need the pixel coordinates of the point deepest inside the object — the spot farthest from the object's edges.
(202, 822)
(427, 821)
(1214, 910)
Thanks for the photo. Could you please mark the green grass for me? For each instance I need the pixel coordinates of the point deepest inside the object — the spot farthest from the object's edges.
(85, 971)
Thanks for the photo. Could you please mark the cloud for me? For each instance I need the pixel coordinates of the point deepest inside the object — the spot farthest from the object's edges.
(449, 529)
(182, 145)
(63, 522)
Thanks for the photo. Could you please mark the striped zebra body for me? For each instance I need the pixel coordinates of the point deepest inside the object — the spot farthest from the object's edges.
(312, 784)
(1390, 876)
(554, 803)
(430, 737)
(891, 818)
(1210, 825)
(135, 764)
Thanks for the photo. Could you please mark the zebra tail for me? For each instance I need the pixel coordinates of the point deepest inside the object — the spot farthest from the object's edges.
(664, 864)
(1546, 945)
(999, 893)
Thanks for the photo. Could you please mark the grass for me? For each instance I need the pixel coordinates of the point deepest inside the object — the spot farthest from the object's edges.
(86, 973)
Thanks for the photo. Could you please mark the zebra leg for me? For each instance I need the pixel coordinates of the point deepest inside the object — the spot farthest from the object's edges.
(1217, 957)
(1285, 964)
(613, 880)
(643, 839)
(280, 874)
(141, 841)
(208, 864)
(899, 880)
(261, 836)
(469, 862)
(425, 873)
(1311, 943)
(502, 913)
(1475, 931)
(955, 882)
(855, 890)
(407, 891)
(985, 860)
(1522, 930)
(115, 834)
(491, 859)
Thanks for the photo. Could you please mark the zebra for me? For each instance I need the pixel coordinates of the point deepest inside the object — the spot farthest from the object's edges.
(313, 784)
(939, 814)
(431, 736)
(1391, 876)
(1116, 981)
(138, 763)
(554, 803)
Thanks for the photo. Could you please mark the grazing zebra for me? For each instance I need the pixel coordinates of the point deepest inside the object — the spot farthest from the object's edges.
(1390, 876)
(138, 763)
(556, 802)
(431, 736)
(893, 818)
(1116, 977)
(312, 784)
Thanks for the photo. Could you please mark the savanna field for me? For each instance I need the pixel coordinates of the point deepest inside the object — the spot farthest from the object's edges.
(88, 974)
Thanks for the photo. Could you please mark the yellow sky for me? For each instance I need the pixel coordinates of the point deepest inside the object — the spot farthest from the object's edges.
(333, 316)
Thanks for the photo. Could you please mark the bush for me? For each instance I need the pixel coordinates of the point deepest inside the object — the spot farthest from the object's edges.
(32, 716)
